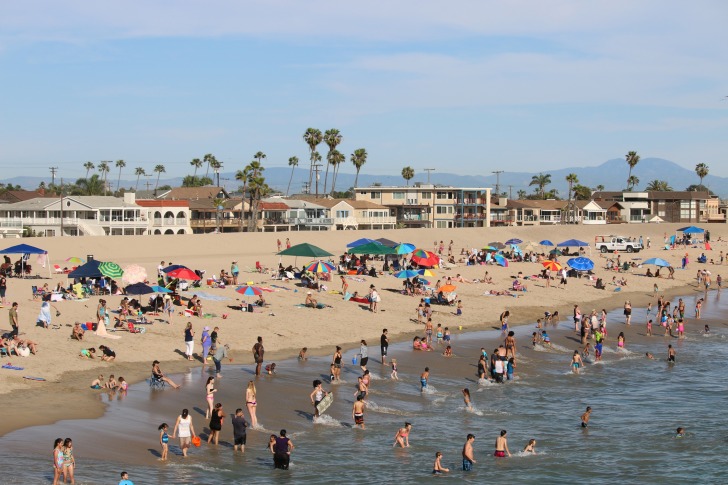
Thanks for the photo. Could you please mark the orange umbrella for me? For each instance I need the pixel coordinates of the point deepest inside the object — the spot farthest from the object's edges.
(448, 288)
(552, 265)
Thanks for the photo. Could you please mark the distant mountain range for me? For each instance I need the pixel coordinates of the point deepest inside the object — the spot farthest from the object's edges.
(612, 174)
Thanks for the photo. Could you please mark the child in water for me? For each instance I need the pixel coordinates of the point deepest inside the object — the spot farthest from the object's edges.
(97, 383)
(545, 338)
(649, 328)
(302, 354)
(466, 398)
(164, 440)
(437, 468)
(510, 367)
(530, 447)
(707, 330)
(394, 375)
(423, 379)
(448, 352)
(680, 433)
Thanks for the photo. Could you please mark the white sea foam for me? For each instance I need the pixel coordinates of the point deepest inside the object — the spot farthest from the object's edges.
(326, 420)
(373, 406)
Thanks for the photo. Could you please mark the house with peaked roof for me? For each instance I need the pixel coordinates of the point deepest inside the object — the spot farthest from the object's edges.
(195, 193)
(349, 214)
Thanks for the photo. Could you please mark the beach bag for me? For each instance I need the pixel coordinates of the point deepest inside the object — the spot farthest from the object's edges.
(23, 351)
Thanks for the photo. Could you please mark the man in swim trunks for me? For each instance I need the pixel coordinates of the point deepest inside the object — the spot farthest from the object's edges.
(239, 430)
(423, 379)
(501, 445)
(468, 458)
(585, 417)
(670, 354)
(357, 413)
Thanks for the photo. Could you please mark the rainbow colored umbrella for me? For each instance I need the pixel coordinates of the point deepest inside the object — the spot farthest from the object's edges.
(425, 258)
(320, 267)
(75, 260)
(249, 290)
(501, 260)
(425, 272)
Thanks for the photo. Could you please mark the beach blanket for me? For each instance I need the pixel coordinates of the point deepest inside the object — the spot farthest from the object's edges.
(281, 287)
(12, 367)
(358, 280)
(209, 296)
(359, 299)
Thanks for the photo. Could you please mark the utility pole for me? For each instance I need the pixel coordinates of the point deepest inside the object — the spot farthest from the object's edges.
(316, 168)
(510, 192)
(53, 175)
(306, 188)
(428, 170)
(497, 181)
(61, 203)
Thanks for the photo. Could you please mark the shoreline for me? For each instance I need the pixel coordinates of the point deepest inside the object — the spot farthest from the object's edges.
(44, 406)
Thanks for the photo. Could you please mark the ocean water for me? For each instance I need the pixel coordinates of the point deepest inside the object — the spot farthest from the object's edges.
(637, 405)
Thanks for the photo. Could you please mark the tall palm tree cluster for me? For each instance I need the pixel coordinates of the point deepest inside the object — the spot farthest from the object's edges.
(98, 184)
(334, 158)
(254, 188)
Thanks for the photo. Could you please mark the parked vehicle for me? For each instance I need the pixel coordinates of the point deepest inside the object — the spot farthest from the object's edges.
(608, 244)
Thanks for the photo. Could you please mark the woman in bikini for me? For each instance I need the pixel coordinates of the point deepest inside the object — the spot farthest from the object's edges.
(210, 396)
(251, 403)
(402, 436)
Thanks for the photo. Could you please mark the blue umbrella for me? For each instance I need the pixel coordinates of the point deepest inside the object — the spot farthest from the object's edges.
(572, 242)
(173, 267)
(407, 273)
(138, 289)
(581, 264)
(546, 242)
(404, 248)
(514, 241)
(691, 230)
(657, 262)
(500, 260)
(361, 241)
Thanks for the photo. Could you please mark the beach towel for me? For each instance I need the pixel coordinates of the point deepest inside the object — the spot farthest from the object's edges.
(12, 367)
(358, 280)
(359, 299)
(281, 287)
(209, 296)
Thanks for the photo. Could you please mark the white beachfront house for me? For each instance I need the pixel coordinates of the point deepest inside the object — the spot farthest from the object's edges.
(78, 216)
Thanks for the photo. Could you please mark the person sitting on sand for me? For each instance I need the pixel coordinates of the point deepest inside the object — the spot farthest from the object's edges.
(518, 286)
(310, 301)
(89, 353)
(649, 273)
(107, 355)
(97, 383)
(448, 351)
(77, 332)
(111, 383)
(260, 301)
(195, 305)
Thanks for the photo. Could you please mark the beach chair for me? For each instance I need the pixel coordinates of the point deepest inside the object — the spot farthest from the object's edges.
(36, 292)
(57, 269)
(155, 383)
(133, 329)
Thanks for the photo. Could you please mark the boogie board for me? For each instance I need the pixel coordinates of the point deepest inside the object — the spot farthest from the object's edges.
(12, 367)
(325, 403)
(34, 378)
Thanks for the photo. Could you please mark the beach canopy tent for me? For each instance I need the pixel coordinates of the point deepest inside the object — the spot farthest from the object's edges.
(387, 242)
(305, 249)
(572, 242)
(372, 248)
(27, 249)
(88, 270)
(657, 262)
(359, 242)
(691, 230)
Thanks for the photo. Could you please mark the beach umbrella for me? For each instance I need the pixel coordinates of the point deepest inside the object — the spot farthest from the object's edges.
(134, 274)
(692, 230)
(183, 274)
(372, 248)
(552, 265)
(556, 252)
(406, 273)
(75, 260)
(425, 272)
(404, 248)
(249, 290)
(657, 262)
(320, 267)
(387, 242)
(305, 249)
(497, 245)
(546, 242)
(490, 248)
(501, 260)
(425, 258)
(514, 241)
(88, 270)
(359, 242)
(112, 270)
(173, 267)
(448, 288)
(160, 289)
(581, 264)
(138, 289)
(572, 242)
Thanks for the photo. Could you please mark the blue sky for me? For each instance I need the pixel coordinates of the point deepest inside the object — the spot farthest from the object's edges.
(464, 86)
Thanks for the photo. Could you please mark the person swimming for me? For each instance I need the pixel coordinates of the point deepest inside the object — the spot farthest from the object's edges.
(680, 433)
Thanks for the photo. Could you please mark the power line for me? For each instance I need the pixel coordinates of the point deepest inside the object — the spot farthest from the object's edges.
(497, 180)
(53, 175)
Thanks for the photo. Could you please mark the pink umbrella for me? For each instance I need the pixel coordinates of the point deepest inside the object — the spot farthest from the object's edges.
(134, 274)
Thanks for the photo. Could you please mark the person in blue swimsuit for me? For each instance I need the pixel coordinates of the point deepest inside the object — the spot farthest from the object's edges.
(423, 379)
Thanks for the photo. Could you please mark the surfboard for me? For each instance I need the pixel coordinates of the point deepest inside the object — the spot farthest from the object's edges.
(325, 403)
(12, 367)
(34, 378)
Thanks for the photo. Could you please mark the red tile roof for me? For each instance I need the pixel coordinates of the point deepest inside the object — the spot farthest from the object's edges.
(163, 203)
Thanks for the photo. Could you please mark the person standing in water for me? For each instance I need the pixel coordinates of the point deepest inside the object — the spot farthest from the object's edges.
(501, 445)
(57, 460)
(258, 353)
(357, 412)
(364, 353)
(317, 396)
(423, 379)
(186, 431)
(576, 362)
(240, 426)
(468, 458)
(282, 451)
(670, 354)
(164, 440)
(384, 345)
(251, 401)
(585, 417)
(437, 467)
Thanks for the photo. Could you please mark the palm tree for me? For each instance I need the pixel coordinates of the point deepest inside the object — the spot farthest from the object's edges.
(293, 163)
(582, 192)
(243, 176)
(88, 166)
(572, 179)
(119, 164)
(208, 159)
(332, 138)
(633, 181)
(701, 170)
(216, 166)
(336, 158)
(521, 194)
(197, 163)
(313, 138)
(254, 170)
(632, 160)
(104, 169)
(139, 171)
(407, 174)
(658, 186)
(159, 169)
(358, 158)
(541, 181)
(90, 186)
(600, 188)
(258, 189)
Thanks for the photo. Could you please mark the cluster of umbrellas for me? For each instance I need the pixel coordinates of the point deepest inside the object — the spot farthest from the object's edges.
(579, 264)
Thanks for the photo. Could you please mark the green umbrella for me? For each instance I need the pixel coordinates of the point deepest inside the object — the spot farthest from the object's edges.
(372, 248)
(305, 249)
(112, 270)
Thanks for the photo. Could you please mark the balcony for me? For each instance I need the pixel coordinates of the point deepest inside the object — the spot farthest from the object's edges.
(468, 201)
(470, 217)
(312, 221)
(170, 221)
(376, 220)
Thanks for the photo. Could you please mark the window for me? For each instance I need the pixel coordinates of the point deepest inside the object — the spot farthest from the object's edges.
(427, 195)
(398, 195)
(375, 195)
(342, 214)
(443, 209)
(444, 224)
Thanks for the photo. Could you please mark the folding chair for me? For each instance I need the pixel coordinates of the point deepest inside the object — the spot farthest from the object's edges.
(155, 383)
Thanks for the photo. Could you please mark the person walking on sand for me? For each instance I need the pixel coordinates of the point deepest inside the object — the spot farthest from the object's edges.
(468, 458)
(258, 354)
(288, 243)
(189, 341)
(501, 445)
(186, 431)
(13, 313)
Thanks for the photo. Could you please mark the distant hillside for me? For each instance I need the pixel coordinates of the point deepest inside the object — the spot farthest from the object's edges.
(612, 174)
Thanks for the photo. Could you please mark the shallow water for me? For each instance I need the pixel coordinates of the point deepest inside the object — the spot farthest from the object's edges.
(637, 403)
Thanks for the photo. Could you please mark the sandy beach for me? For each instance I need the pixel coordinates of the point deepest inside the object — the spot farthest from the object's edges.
(284, 326)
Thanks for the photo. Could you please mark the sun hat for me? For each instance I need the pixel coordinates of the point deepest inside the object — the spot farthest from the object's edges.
(206, 329)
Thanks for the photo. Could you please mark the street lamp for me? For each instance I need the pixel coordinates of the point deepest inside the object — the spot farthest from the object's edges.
(219, 217)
